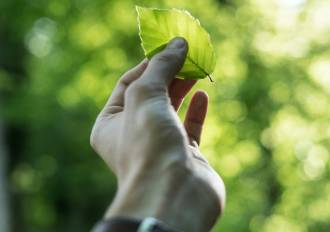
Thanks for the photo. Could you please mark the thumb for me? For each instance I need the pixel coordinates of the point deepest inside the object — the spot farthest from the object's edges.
(163, 67)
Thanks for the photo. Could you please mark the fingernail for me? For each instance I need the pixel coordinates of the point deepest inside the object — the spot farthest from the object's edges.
(177, 43)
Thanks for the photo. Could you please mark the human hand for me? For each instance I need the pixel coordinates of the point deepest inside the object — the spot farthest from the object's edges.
(160, 170)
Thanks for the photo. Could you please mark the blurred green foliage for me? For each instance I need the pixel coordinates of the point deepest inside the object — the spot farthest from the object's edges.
(267, 132)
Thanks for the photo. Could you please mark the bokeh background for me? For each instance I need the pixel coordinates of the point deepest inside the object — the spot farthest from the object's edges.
(267, 132)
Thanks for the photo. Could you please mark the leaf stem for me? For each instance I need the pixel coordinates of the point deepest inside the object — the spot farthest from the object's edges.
(210, 78)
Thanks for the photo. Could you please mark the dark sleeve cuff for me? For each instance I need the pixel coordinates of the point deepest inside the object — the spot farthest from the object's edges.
(132, 225)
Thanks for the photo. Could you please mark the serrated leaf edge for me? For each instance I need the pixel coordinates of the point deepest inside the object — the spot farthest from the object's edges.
(180, 11)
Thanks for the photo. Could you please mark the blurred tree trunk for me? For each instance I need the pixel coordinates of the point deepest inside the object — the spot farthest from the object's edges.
(4, 195)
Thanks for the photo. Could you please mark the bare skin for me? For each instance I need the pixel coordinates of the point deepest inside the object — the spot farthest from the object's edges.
(156, 158)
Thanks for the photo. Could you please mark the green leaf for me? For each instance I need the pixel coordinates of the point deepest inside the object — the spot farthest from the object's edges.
(158, 26)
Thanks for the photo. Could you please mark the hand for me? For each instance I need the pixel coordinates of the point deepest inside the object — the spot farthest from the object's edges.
(160, 170)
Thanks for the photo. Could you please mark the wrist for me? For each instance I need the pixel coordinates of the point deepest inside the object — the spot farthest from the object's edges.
(174, 196)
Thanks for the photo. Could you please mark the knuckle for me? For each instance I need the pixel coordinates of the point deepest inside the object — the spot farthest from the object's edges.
(139, 89)
(136, 90)
(123, 81)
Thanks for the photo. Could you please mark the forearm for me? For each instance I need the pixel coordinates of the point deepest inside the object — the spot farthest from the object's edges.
(177, 197)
